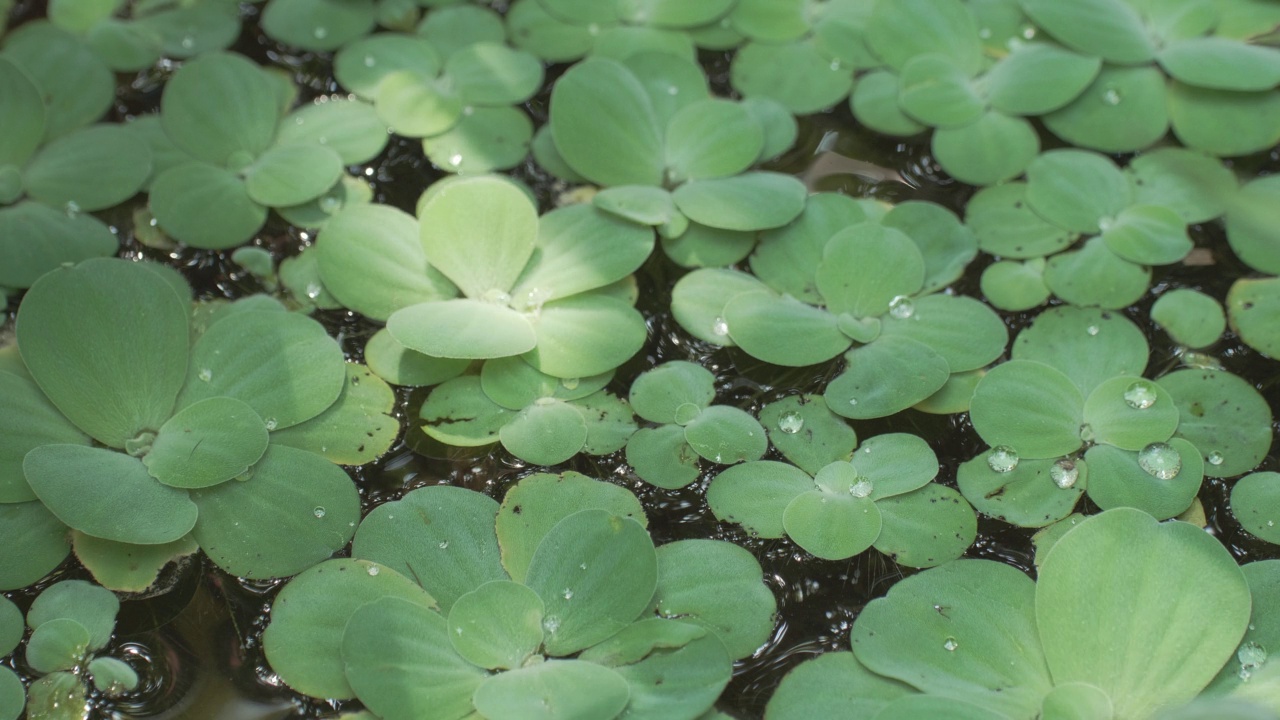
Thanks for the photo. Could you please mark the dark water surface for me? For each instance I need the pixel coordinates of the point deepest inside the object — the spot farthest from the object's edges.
(197, 641)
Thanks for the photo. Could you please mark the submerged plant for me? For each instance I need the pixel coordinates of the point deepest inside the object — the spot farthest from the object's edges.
(71, 623)
(553, 605)
(148, 442)
(1128, 618)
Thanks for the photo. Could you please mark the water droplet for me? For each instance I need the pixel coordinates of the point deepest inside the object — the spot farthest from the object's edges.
(444, 545)
(901, 307)
(673, 90)
(329, 204)
(1200, 361)
(568, 594)
(455, 160)
(1251, 656)
(1160, 460)
(985, 33)
(1111, 96)
(1140, 395)
(1215, 458)
(206, 375)
(318, 512)
(313, 290)
(370, 61)
(1002, 459)
(1086, 432)
(950, 644)
(497, 296)
(719, 327)
(270, 423)
(72, 209)
(861, 489)
(551, 623)
(1028, 32)
(852, 402)
(373, 569)
(1092, 329)
(1271, 523)
(790, 423)
(1064, 473)
(835, 65)
(321, 33)
(593, 29)
(188, 42)
(570, 383)
(583, 566)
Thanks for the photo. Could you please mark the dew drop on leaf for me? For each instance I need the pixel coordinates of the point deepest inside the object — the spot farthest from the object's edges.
(861, 489)
(568, 594)
(270, 423)
(720, 327)
(369, 61)
(1140, 395)
(1002, 459)
(901, 307)
(1111, 96)
(790, 423)
(444, 545)
(950, 644)
(1215, 458)
(373, 569)
(1064, 473)
(206, 375)
(1092, 329)
(1160, 460)
(321, 33)
(318, 512)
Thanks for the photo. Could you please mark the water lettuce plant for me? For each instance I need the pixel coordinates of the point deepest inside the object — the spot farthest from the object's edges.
(145, 440)
(49, 183)
(840, 281)
(1127, 618)
(677, 397)
(554, 604)
(458, 96)
(71, 623)
(133, 36)
(538, 418)
(565, 30)
(480, 275)
(670, 155)
(238, 155)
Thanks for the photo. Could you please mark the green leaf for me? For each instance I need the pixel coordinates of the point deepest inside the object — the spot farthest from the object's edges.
(1255, 307)
(304, 641)
(283, 365)
(484, 139)
(926, 527)
(414, 106)
(125, 504)
(938, 93)
(897, 32)
(480, 233)
(1223, 414)
(1034, 493)
(610, 422)
(515, 384)
(1251, 215)
(291, 174)
(1094, 275)
(806, 432)
(1221, 64)
(24, 115)
(597, 104)
(965, 332)
(1119, 479)
(1196, 186)
(11, 626)
(579, 249)
(1029, 407)
(1130, 413)
(1123, 110)
(1037, 78)
(61, 692)
(37, 539)
(1015, 286)
(884, 377)
(698, 301)
(1192, 318)
(490, 73)
(547, 432)
(585, 335)
(274, 524)
(451, 28)
(659, 395)
(933, 631)
(13, 695)
(1254, 499)
(1224, 122)
(874, 103)
(28, 421)
(220, 107)
(36, 238)
(726, 435)
(205, 206)
(993, 148)
(75, 85)
(90, 169)
(318, 24)
(756, 494)
(660, 456)
(831, 525)
(350, 128)
(718, 586)
(832, 684)
(533, 29)
(538, 502)
(797, 75)
(554, 690)
(1203, 590)
(459, 413)
(1076, 190)
(357, 429)
(638, 203)
(462, 328)
(1087, 345)
(111, 676)
(440, 536)
(585, 606)
(372, 260)
(1107, 29)
(751, 201)
(497, 626)
(780, 128)
(1004, 224)
(57, 644)
(782, 331)
(92, 607)
(894, 464)
(1148, 235)
(131, 329)
(128, 568)
(945, 243)
(710, 139)
(867, 266)
(206, 443)
(399, 365)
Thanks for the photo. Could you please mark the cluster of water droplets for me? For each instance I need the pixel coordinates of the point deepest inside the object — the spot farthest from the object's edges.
(1251, 656)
